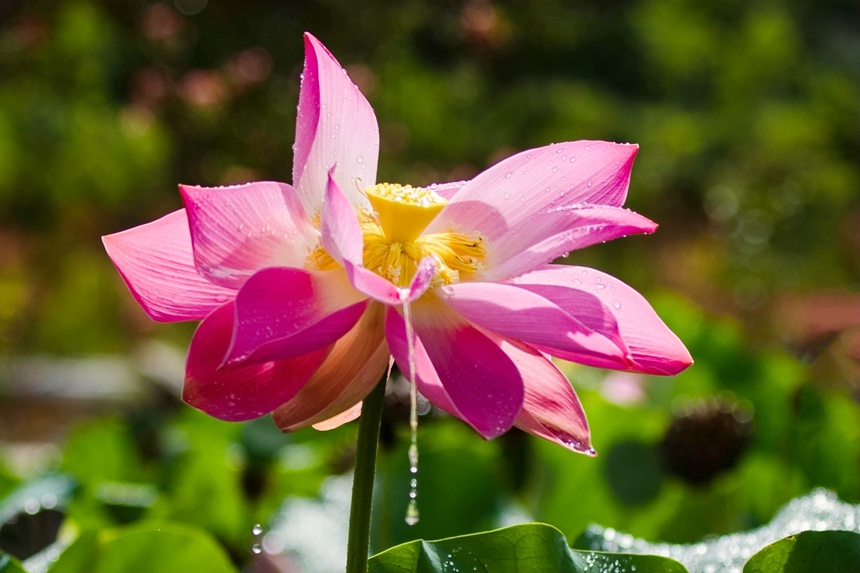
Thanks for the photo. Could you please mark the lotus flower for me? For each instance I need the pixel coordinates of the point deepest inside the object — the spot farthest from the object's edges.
(302, 289)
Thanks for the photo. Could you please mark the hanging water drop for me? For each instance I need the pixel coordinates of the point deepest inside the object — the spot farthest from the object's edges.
(412, 515)
(412, 507)
(257, 529)
(256, 549)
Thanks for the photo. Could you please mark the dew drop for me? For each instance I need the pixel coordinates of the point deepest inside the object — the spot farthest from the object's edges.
(507, 195)
(257, 529)
(589, 183)
(256, 549)
(616, 304)
(508, 175)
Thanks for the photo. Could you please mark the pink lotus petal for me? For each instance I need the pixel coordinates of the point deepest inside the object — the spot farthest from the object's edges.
(537, 180)
(157, 264)
(241, 229)
(341, 232)
(447, 190)
(551, 409)
(340, 419)
(479, 379)
(242, 392)
(425, 374)
(519, 314)
(566, 229)
(335, 126)
(283, 312)
(354, 366)
(654, 349)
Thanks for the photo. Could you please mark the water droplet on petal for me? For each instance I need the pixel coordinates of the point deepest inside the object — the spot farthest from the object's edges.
(616, 304)
(508, 175)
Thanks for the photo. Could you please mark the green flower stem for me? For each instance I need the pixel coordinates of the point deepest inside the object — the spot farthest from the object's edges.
(362, 484)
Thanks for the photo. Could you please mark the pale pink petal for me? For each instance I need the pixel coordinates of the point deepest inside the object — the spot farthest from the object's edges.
(478, 377)
(340, 419)
(519, 314)
(551, 409)
(237, 393)
(340, 229)
(157, 264)
(566, 229)
(342, 239)
(509, 202)
(537, 180)
(354, 366)
(283, 312)
(335, 126)
(447, 190)
(241, 229)
(654, 349)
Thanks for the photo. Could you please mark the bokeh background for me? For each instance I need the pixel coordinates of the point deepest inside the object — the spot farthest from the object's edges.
(749, 125)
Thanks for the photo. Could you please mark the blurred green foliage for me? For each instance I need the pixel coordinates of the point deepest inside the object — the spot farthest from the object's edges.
(746, 113)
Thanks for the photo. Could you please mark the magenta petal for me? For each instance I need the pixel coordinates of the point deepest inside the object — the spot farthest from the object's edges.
(350, 371)
(561, 231)
(551, 409)
(478, 377)
(422, 280)
(242, 392)
(519, 314)
(241, 229)
(157, 264)
(425, 374)
(335, 126)
(654, 349)
(283, 312)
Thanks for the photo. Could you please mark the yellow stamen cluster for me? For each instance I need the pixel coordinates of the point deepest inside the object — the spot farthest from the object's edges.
(393, 244)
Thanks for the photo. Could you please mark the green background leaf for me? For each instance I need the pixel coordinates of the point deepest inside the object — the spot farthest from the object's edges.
(152, 547)
(521, 548)
(809, 552)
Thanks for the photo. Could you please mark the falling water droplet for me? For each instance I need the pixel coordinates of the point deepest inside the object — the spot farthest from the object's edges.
(412, 515)
(412, 508)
